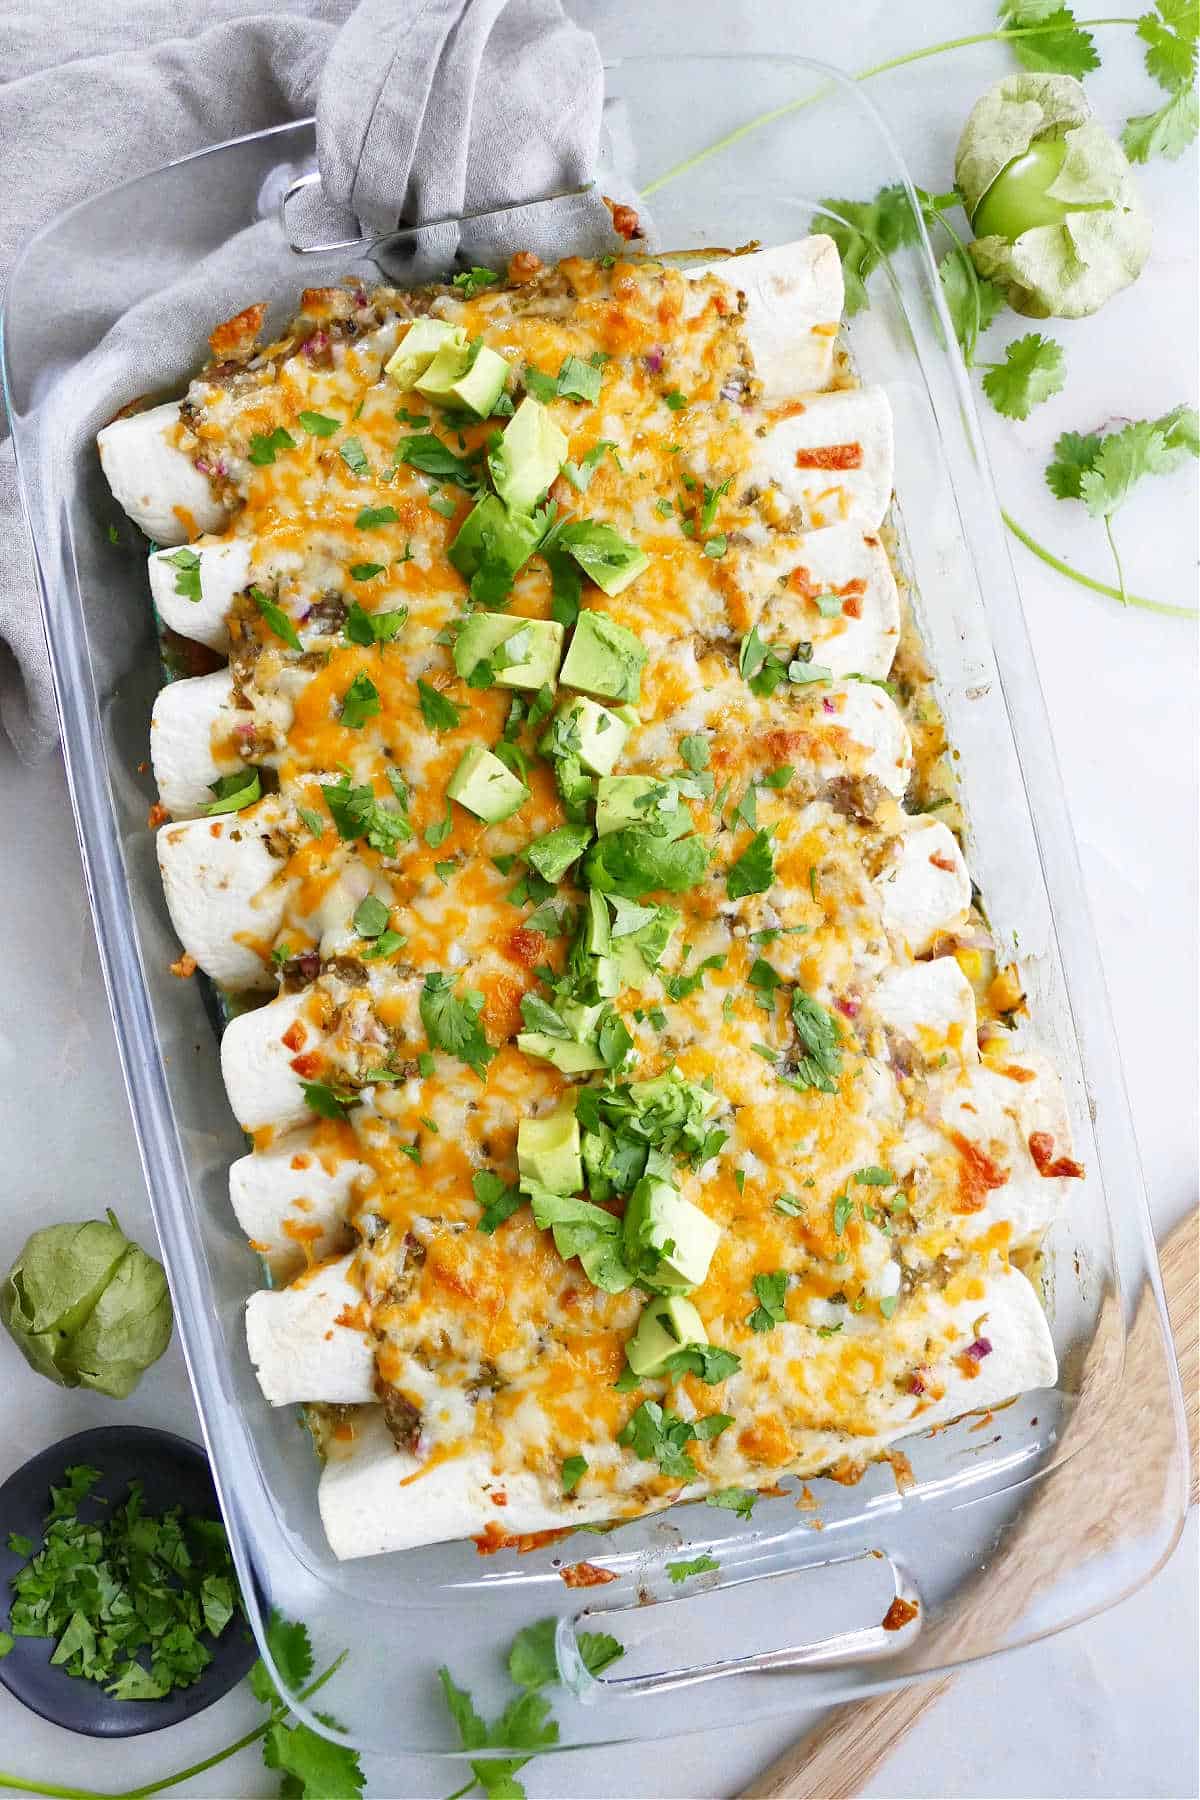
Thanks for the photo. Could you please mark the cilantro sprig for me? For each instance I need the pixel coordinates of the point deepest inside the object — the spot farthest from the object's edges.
(526, 1724)
(1101, 469)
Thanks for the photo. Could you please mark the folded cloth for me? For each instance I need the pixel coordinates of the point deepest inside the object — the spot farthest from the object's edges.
(426, 109)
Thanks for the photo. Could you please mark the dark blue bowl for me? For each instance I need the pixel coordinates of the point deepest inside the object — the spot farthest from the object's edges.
(173, 1472)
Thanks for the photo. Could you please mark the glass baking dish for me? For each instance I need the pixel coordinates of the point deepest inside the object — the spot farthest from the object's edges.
(793, 1617)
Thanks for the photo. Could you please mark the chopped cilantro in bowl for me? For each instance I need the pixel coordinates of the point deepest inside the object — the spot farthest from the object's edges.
(116, 1584)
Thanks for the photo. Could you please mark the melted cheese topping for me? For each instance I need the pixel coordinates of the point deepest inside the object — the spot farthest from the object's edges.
(868, 1200)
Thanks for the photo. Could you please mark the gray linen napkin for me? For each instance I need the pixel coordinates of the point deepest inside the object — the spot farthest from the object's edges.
(425, 109)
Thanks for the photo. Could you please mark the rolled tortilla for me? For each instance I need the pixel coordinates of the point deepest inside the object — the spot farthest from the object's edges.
(827, 719)
(224, 571)
(999, 1110)
(188, 719)
(291, 1206)
(843, 561)
(931, 1006)
(307, 1341)
(871, 718)
(256, 1064)
(152, 480)
(832, 461)
(375, 1498)
(924, 887)
(793, 303)
(218, 876)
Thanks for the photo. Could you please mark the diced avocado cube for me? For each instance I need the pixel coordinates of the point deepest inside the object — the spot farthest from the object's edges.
(468, 374)
(553, 853)
(669, 1243)
(491, 534)
(548, 1151)
(565, 1055)
(665, 1326)
(631, 967)
(482, 385)
(531, 659)
(640, 800)
(528, 456)
(447, 367)
(604, 658)
(485, 786)
(606, 973)
(424, 339)
(603, 554)
(601, 733)
(581, 1021)
(597, 930)
(638, 952)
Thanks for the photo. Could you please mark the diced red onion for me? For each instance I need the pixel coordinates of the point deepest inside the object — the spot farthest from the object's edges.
(731, 391)
(979, 1349)
(316, 344)
(245, 732)
(916, 1383)
(849, 1004)
(308, 965)
(827, 705)
(204, 467)
(654, 360)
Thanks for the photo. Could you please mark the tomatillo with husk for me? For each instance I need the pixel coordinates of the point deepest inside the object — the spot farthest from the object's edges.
(87, 1307)
(1057, 219)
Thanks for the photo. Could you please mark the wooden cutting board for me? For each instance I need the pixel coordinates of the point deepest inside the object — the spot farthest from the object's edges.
(837, 1759)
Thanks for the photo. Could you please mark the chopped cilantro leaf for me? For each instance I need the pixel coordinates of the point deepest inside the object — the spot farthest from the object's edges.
(574, 1468)
(264, 448)
(822, 1063)
(276, 618)
(362, 627)
(698, 1565)
(734, 1499)
(754, 870)
(328, 1102)
(186, 564)
(771, 1292)
(452, 1024)
(354, 457)
(360, 703)
(469, 281)
(438, 712)
(371, 517)
(318, 424)
(432, 456)
(498, 1200)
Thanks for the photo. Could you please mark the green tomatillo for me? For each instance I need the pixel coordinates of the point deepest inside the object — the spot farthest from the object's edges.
(1058, 223)
(87, 1307)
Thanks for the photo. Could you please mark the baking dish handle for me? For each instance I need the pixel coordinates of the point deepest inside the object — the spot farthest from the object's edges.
(860, 1607)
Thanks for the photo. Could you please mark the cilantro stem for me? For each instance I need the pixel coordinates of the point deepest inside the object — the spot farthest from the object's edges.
(278, 1712)
(1097, 587)
(1116, 556)
(895, 62)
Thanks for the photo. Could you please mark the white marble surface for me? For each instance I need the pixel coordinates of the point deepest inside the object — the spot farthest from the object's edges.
(1110, 1708)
